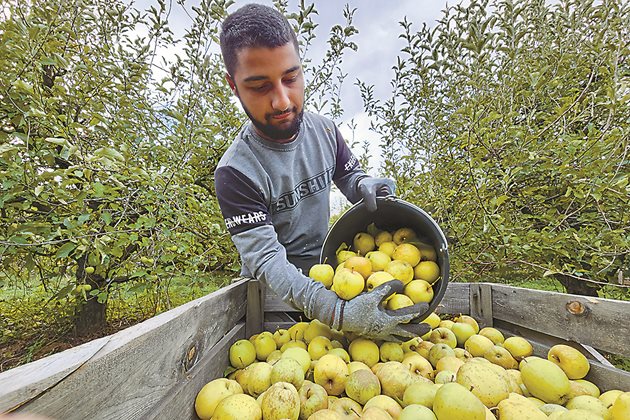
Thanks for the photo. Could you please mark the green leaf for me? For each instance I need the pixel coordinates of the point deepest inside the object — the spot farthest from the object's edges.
(65, 250)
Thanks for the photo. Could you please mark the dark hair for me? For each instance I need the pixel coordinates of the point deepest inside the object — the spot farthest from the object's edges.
(253, 26)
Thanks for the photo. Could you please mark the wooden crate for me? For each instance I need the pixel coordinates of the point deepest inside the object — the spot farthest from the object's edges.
(153, 370)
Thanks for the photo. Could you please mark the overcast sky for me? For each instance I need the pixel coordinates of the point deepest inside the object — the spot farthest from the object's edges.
(378, 46)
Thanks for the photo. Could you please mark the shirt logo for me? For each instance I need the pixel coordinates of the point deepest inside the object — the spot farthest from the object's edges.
(248, 218)
(304, 189)
(350, 164)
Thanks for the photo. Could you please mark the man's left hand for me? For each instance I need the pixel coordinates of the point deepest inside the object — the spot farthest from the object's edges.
(370, 188)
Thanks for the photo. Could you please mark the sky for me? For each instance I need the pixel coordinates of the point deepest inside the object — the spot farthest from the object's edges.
(378, 46)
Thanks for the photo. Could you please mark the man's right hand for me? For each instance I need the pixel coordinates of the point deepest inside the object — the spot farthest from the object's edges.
(366, 316)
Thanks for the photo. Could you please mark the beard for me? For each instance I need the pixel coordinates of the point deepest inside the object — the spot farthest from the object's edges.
(273, 132)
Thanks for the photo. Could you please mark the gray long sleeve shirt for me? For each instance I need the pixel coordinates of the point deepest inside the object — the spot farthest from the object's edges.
(275, 199)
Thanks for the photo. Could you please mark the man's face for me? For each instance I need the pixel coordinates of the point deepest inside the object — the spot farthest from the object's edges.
(270, 85)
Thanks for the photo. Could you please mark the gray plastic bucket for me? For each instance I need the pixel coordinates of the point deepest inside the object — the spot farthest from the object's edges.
(392, 213)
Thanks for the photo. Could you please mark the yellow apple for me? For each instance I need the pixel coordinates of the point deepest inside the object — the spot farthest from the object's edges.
(418, 366)
(288, 370)
(518, 347)
(342, 256)
(450, 363)
(299, 354)
(362, 385)
(347, 408)
(238, 406)
(423, 348)
(583, 387)
(264, 345)
(313, 397)
(316, 328)
(446, 323)
(428, 271)
(364, 350)
(416, 412)
(620, 409)
(361, 265)
(609, 397)
(242, 354)
(212, 393)
(422, 393)
(419, 291)
(341, 352)
(281, 336)
(322, 273)
(401, 270)
(462, 331)
(281, 401)
(377, 278)
(484, 382)
(381, 237)
(587, 402)
(570, 360)
(273, 357)
(407, 253)
(500, 356)
(433, 320)
(445, 377)
(356, 365)
(391, 351)
(443, 335)
(331, 372)
(296, 331)
(544, 380)
(439, 351)
(375, 413)
(387, 248)
(258, 378)
(493, 334)
(427, 251)
(411, 345)
(404, 234)
(348, 284)
(378, 259)
(325, 414)
(398, 301)
(454, 401)
(468, 320)
(319, 346)
(292, 343)
(363, 243)
(477, 345)
(385, 403)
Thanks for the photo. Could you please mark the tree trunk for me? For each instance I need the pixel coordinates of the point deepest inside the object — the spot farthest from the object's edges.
(90, 316)
(575, 286)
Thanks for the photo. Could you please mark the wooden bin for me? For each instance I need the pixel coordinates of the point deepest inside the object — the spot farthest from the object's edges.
(153, 370)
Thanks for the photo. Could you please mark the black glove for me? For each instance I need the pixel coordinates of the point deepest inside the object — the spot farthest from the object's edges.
(370, 188)
(366, 316)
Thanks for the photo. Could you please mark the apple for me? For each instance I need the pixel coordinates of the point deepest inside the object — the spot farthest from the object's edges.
(423, 348)
(518, 407)
(375, 413)
(258, 378)
(356, 365)
(574, 364)
(468, 320)
(319, 346)
(422, 393)
(401, 270)
(299, 354)
(518, 347)
(433, 320)
(462, 354)
(445, 377)
(382, 236)
(454, 401)
(411, 345)
(477, 345)
(385, 403)
(242, 354)
(361, 265)
(347, 407)
(264, 345)
(446, 323)
(348, 284)
(416, 412)
(544, 380)
(316, 328)
(428, 271)
(341, 352)
(408, 253)
(609, 397)
(281, 401)
(391, 351)
(325, 414)
(281, 337)
(418, 366)
(462, 331)
(342, 256)
(296, 331)
(379, 260)
(362, 385)
(620, 409)
(404, 234)
(288, 370)
(398, 301)
(238, 406)
(394, 379)
(582, 387)
(500, 356)
(587, 402)
(493, 334)
(212, 393)
(273, 357)
(387, 248)
(443, 335)
(331, 372)
(427, 251)
(322, 273)
(364, 350)
(292, 343)
(450, 363)
(484, 382)
(313, 397)
(363, 243)
(376, 279)
(419, 291)
(551, 408)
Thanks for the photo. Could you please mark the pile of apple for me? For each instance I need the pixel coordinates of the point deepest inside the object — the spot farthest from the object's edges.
(454, 372)
(377, 256)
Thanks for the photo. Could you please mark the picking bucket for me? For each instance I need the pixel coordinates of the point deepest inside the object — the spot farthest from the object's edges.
(392, 213)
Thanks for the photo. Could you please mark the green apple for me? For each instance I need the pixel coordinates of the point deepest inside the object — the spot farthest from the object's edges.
(419, 291)
(212, 393)
(443, 335)
(331, 372)
(416, 412)
(484, 382)
(468, 320)
(242, 354)
(364, 350)
(281, 401)
(462, 331)
(544, 380)
(288, 370)
(322, 273)
(313, 397)
(238, 406)
(319, 346)
(518, 347)
(264, 345)
(493, 334)
(379, 260)
(570, 360)
(453, 401)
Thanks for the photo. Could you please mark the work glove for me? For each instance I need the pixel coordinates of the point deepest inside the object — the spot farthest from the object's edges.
(366, 316)
(369, 188)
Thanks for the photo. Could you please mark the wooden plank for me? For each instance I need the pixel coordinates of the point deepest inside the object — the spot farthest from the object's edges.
(255, 313)
(600, 323)
(456, 300)
(132, 369)
(605, 377)
(179, 403)
(481, 303)
(273, 326)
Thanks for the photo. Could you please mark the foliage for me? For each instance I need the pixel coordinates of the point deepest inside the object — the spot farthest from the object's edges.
(111, 128)
(508, 121)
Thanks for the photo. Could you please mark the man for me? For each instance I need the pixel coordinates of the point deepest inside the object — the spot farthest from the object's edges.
(273, 183)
